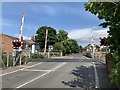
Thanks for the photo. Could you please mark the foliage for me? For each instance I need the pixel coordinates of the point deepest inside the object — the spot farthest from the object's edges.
(34, 56)
(58, 46)
(60, 41)
(81, 48)
(110, 12)
(70, 46)
(41, 34)
(4, 59)
(62, 35)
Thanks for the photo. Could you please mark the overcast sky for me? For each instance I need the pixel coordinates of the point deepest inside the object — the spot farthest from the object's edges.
(68, 16)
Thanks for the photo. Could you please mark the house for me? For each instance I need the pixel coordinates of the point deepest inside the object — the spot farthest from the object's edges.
(6, 43)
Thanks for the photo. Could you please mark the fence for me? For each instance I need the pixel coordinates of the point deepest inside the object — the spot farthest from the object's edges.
(8, 59)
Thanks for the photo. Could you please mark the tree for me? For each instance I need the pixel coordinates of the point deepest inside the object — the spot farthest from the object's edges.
(65, 44)
(62, 35)
(70, 46)
(41, 34)
(81, 48)
(57, 46)
(110, 12)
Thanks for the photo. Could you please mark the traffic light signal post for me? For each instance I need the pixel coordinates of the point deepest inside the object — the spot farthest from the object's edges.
(104, 43)
(17, 50)
(17, 45)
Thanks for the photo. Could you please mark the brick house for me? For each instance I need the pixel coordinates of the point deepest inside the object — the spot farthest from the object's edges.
(6, 43)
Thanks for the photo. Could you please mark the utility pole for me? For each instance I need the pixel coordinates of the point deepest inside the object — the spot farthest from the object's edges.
(46, 40)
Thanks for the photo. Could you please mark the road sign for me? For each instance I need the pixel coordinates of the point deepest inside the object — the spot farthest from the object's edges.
(50, 47)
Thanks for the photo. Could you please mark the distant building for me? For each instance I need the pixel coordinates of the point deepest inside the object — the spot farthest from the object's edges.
(6, 43)
(87, 48)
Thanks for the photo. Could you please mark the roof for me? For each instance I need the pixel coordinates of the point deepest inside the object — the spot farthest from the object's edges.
(10, 36)
(88, 46)
(14, 38)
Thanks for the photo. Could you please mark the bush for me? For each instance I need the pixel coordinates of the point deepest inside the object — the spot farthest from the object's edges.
(34, 56)
(115, 74)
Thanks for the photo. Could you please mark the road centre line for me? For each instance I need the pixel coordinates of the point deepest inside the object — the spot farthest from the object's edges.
(42, 75)
(21, 69)
(96, 76)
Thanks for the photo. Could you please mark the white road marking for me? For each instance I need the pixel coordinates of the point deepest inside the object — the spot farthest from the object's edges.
(23, 66)
(42, 75)
(59, 66)
(96, 76)
(37, 70)
(35, 64)
(21, 69)
(71, 57)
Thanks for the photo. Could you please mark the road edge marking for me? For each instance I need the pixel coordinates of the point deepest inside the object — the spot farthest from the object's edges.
(96, 76)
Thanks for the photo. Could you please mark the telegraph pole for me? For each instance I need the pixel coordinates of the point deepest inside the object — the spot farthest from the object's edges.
(46, 40)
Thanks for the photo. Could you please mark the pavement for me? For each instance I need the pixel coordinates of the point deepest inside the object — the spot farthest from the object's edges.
(73, 71)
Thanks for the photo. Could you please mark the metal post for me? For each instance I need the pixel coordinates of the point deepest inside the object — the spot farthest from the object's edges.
(49, 52)
(14, 58)
(20, 59)
(100, 52)
(7, 59)
(26, 59)
(61, 53)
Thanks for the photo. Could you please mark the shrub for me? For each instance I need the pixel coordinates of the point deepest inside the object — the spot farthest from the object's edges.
(34, 56)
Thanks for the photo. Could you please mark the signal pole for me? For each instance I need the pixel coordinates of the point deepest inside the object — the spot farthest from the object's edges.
(17, 50)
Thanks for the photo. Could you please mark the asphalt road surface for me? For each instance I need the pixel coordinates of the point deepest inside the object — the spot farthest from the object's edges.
(74, 71)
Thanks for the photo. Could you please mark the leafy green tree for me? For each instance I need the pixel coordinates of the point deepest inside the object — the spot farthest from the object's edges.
(66, 45)
(57, 46)
(71, 46)
(41, 34)
(110, 12)
(81, 48)
(62, 35)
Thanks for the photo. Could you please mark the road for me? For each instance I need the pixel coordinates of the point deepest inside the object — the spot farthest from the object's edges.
(74, 71)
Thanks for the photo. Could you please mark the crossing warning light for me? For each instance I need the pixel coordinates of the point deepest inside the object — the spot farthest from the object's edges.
(103, 41)
(17, 44)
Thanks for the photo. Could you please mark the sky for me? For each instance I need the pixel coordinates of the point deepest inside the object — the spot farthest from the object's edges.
(68, 16)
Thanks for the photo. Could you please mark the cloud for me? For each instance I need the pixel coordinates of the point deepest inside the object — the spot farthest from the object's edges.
(24, 37)
(83, 36)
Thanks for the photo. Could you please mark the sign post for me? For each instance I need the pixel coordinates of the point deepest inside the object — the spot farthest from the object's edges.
(50, 48)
